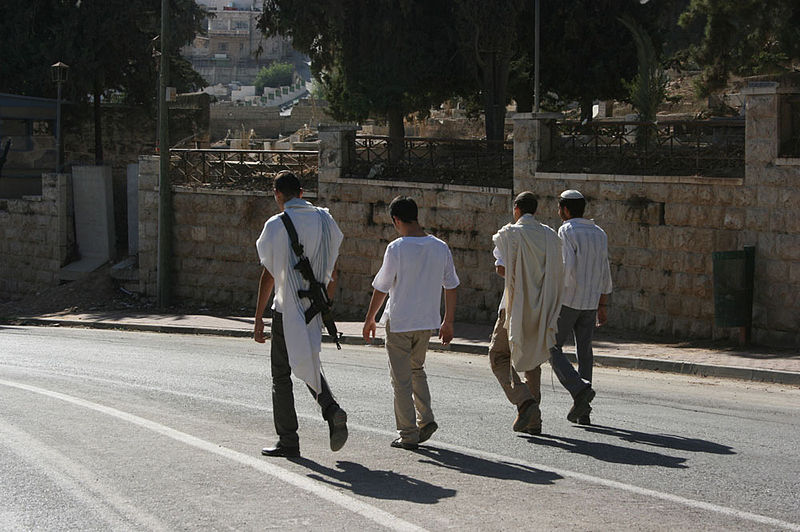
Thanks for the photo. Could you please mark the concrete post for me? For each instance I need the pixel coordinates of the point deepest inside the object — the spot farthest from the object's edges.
(532, 143)
(336, 144)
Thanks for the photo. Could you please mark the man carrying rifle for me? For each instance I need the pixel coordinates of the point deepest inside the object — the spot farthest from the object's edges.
(298, 308)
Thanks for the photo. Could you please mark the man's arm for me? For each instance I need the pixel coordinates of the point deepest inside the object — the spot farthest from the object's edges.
(265, 285)
(332, 285)
(370, 326)
(500, 270)
(446, 329)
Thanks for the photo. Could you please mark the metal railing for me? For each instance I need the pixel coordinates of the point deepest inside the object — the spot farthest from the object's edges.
(693, 147)
(251, 169)
(441, 160)
(790, 127)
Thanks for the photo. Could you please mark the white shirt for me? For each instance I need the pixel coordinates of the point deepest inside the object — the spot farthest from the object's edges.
(320, 237)
(587, 274)
(414, 270)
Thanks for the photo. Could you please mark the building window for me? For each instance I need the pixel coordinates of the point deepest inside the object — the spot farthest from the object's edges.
(222, 47)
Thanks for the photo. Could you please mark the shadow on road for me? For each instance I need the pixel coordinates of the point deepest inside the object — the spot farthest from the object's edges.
(378, 484)
(472, 465)
(667, 441)
(609, 453)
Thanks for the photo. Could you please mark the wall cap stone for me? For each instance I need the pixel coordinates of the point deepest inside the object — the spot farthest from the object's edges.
(425, 186)
(669, 179)
(754, 88)
(537, 116)
(787, 161)
(226, 192)
(338, 127)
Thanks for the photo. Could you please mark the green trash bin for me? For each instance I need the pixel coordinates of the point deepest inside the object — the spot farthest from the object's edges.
(733, 287)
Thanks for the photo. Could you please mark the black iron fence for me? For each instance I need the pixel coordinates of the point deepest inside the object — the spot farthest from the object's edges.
(696, 147)
(249, 169)
(437, 160)
(790, 126)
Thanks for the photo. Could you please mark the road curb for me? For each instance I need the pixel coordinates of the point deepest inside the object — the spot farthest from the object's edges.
(637, 363)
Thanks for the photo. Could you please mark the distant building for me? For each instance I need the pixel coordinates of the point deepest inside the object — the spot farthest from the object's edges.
(228, 52)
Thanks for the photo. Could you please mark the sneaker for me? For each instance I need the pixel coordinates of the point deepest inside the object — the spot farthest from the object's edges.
(337, 425)
(581, 406)
(400, 444)
(427, 431)
(528, 414)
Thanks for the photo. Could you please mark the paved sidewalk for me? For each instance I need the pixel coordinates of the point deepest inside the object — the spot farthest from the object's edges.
(615, 350)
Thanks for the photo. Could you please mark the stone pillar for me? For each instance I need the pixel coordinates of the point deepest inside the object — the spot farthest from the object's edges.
(761, 126)
(133, 208)
(336, 144)
(532, 143)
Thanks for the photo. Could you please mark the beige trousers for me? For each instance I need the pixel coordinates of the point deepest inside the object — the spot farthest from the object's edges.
(500, 362)
(412, 399)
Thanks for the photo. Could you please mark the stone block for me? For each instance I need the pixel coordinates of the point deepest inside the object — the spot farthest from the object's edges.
(758, 219)
(787, 247)
(734, 218)
(699, 263)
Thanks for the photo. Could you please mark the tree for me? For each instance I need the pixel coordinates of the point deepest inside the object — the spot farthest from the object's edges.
(649, 87)
(488, 41)
(108, 45)
(585, 51)
(743, 37)
(275, 75)
(386, 58)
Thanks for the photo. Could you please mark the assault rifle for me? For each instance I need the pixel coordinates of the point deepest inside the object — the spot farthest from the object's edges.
(316, 293)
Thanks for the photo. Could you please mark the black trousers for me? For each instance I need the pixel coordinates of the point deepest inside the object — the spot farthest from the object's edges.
(283, 410)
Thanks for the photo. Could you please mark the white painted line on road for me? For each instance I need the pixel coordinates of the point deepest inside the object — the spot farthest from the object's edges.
(77, 481)
(368, 511)
(731, 512)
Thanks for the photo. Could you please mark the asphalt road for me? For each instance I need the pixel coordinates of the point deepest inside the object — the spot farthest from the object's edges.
(108, 430)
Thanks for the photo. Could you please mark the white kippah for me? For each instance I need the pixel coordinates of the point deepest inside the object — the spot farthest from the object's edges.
(571, 194)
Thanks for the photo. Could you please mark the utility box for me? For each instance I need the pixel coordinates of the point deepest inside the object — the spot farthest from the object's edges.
(733, 287)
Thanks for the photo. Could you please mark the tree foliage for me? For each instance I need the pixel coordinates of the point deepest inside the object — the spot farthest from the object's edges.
(649, 87)
(274, 75)
(108, 45)
(385, 58)
(743, 37)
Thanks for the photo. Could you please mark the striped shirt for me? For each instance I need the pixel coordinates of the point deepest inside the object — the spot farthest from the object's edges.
(587, 274)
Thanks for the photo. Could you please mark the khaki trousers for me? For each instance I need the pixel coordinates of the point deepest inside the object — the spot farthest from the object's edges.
(500, 362)
(412, 398)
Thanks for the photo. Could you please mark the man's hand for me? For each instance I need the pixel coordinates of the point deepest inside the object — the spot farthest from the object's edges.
(446, 332)
(258, 331)
(602, 316)
(369, 330)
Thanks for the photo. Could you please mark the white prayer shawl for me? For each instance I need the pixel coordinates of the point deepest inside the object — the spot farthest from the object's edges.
(533, 283)
(320, 237)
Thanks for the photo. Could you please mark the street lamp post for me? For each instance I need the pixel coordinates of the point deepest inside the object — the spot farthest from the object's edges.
(59, 73)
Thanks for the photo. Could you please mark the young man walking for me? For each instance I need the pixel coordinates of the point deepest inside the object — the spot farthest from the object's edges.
(528, 257)
(415, 268)
(295, 344)
(587, 284)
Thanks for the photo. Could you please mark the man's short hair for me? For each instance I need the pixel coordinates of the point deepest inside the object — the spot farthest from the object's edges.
(526, 202)
(575, 206)
(287, 184)
(404, 208)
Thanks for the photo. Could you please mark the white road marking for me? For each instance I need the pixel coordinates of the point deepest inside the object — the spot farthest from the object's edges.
(78, 482)
(731, 512)
(370, 512)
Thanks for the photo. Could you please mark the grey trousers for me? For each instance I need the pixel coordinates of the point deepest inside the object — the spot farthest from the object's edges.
(283, 412)
(581, 324)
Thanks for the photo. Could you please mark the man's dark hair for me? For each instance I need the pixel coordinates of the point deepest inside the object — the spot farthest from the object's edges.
(404, 208)
(526, 202)
(287, 184)
(575, 206)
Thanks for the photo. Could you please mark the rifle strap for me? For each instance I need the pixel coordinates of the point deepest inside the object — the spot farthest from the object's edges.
(296, 245)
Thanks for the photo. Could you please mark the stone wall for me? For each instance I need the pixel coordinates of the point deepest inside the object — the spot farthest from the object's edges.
(267, 122)
(36, 237)
(464, 217)
(215, 231)
(663, 230)
(214, 254)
